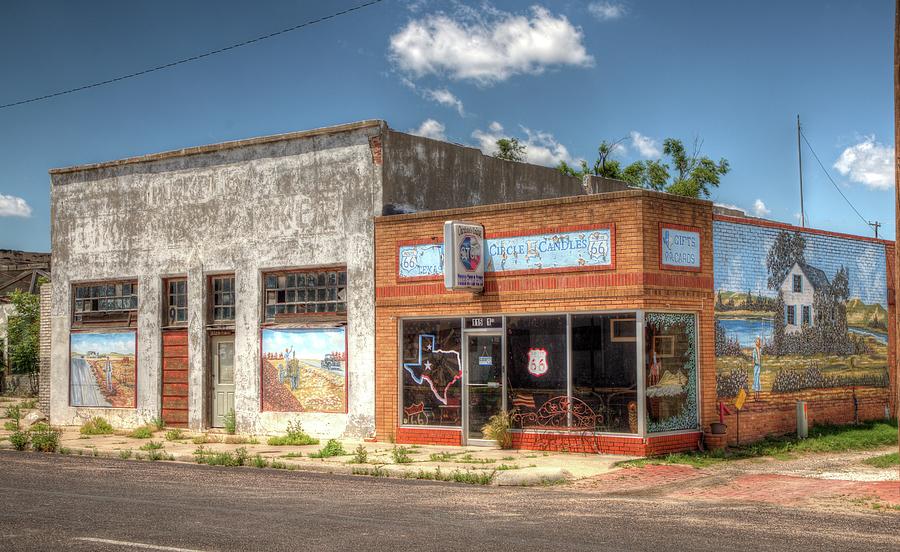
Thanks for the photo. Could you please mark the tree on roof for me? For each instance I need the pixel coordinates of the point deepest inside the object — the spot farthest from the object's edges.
(787, 250)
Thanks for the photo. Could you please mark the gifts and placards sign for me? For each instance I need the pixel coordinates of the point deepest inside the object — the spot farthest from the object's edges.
(679, 247)
(464, 256)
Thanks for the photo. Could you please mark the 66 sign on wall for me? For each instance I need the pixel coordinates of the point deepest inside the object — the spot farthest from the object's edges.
(464, 254)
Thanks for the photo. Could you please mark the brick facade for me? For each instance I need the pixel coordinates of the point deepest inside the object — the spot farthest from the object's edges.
(44, 351)
(636, 281)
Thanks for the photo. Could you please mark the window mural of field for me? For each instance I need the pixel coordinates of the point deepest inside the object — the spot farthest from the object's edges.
(797, 311)
(304, 370)
(102, 369)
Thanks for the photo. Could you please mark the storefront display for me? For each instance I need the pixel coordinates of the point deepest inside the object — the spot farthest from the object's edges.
(671, 373)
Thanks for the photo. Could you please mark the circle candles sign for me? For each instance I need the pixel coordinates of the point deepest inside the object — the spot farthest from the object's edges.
(464, 256)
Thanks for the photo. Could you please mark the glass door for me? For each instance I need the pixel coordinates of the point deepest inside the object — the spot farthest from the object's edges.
(484, 383)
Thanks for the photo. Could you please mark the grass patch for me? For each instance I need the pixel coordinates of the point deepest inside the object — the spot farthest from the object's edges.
(884, 461)
(260, 462)
(332, 448)
(240, 440)
(152, 445)
(822, 438)
(157, 423)
(360, 455)
(143, 432)
(278, 465)
(377, 471)
(443, 456)
(29, 404)
(125, 454)
(469, 459)
(292, 455)
(229, 420)
(13, 412)
(11, 425)
(212, 458)
(44, 438)
(96, 426)
(295, 437)
(174, 435)
(504, 467)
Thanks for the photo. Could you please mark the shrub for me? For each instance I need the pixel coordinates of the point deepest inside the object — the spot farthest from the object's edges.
(96, 426)
(30, 404)
(19, 440)
(44, 438)
(11, 425)
(497, 429)
(259, 461)
(332, 448)
(143, 432)
(152, 445)
(174, 435)
(13, 412)
(360, 455)
(230, 422)
(401, 455)
(295, 437)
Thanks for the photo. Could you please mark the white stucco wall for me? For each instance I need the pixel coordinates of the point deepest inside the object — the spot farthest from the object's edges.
(303, 202)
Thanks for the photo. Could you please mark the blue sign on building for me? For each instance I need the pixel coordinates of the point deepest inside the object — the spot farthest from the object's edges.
(582, 248)
(679, 248)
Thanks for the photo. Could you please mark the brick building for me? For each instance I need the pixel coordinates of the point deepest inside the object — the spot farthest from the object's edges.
(615, 323)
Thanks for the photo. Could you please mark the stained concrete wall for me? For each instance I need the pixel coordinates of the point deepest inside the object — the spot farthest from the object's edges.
(298, 202)
(424, 175)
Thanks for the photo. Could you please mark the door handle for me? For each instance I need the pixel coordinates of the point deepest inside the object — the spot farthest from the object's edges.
(491, 384)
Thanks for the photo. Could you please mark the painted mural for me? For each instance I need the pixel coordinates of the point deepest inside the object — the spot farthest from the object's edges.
(102, 369)
(304, 370)
(797, 311)
(530, 252)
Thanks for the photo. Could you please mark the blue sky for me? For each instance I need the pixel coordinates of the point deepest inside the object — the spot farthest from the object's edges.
(307, 344)
(560, 76)
(102, 343)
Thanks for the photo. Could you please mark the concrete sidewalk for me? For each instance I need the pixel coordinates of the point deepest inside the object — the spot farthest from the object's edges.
(506, 467)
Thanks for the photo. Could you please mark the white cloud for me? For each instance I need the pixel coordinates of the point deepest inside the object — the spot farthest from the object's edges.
(541, 148)
(607, 11)
(12, 206)
(760, 209)
(487, 46)
(430, 129)
(445, 97)
(869, 163)
(646, 146)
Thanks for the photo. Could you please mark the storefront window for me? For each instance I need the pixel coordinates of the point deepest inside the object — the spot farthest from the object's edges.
(671, 372)
(604, 369)
(537, 370)
(432, 372)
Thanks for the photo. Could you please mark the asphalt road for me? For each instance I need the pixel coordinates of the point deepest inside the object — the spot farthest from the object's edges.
(74, 503)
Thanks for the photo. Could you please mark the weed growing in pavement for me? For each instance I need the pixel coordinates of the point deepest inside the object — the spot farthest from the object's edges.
(174, 435)
(504, 467)
(13, 412)
(332, 448)
(469, 459)
(19, 440)
(507, 458)
(240, 440)
(229, 421)
(259, 461)
(156, 454)
(96, 426)
(295, 436)
(125, 454)
(65, 450)
(400, 455)
(211, 458)
(292, 455)
(143, 432)
(44, 438)
(152, 445)
(157, 423)
(11, 425)
(377, 471)
(443, 456)
(456, 476)
(29, 404)
(278, 465)
(360, 455)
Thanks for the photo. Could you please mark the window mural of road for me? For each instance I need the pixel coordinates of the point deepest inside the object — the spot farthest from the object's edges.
(85, 390)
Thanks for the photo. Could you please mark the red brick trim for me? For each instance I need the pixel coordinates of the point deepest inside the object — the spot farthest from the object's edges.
(664, 266)
(791, 227)
(430, 436)
(574, 281)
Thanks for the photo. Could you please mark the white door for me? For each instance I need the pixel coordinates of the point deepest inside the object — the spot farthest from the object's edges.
(222, 352)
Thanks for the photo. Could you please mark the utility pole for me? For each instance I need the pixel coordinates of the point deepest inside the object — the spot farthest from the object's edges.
(800, 163)
(896, 167)
(876, 225)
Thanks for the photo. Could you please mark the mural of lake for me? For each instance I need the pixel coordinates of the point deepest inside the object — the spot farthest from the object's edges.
(747, 329)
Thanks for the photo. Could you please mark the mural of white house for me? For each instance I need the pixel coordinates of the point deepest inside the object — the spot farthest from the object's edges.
(798, 290)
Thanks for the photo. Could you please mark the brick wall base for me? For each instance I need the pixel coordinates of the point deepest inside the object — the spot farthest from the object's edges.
(575, 442)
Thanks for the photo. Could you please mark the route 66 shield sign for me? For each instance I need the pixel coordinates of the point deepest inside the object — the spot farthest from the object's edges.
(537, 362)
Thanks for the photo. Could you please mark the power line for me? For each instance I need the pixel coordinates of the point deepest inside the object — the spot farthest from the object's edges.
(193, 58)
(833, 183)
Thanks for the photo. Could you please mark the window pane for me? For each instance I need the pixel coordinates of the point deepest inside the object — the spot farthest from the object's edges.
(604, 370)
(536, 367)
(432, 388)
(225, 357)
(671, 372)
(291, 280)
(271, 282)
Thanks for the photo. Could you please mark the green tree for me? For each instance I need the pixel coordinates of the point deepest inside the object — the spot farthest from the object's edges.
(510, 149)
(785, 251)
(23, 333)
(686, 174)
